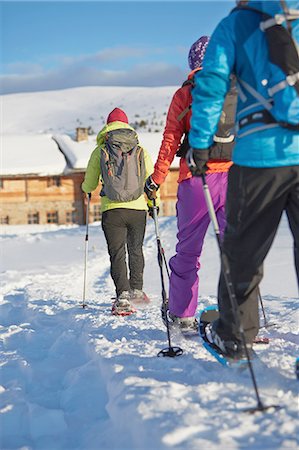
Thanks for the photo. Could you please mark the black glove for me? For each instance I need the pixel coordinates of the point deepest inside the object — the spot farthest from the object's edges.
(151, 211)
(197, 161)
(150, 188)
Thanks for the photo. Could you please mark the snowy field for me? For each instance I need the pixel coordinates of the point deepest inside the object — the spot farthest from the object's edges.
(74, 378)
(64, 110)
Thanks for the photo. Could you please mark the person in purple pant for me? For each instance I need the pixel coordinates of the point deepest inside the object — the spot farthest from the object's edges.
(193, 221)
(192, 214)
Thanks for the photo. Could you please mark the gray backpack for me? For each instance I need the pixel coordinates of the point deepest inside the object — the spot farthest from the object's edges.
(122, 166)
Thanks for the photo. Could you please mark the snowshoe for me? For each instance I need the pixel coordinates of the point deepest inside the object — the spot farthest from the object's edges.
(122, 305)
(228, 353)
(261, 340)
(188, 326)
(138, 296)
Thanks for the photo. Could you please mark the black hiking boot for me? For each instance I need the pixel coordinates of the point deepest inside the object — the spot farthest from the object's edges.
(232, 349)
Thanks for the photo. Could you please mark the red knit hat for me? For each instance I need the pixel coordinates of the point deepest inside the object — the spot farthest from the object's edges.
(117, 115)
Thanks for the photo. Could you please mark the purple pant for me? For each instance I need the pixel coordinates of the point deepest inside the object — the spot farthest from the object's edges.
(193, 221)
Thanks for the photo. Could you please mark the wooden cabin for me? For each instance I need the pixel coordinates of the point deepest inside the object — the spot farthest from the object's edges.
(41, 177)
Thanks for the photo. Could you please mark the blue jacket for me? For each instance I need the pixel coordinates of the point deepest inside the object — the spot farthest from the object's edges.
(233, 50)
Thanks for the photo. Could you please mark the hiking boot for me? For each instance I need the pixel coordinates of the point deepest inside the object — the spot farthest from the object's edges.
(122, 305)
(232, 349)
(187, 325)
(136, 295)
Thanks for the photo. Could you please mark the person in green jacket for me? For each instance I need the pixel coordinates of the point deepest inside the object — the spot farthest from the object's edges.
(123, 221)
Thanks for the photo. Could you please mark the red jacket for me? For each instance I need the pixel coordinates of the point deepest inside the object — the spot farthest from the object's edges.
(173, 133)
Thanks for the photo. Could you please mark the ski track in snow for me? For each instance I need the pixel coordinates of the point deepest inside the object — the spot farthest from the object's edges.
(74, 378)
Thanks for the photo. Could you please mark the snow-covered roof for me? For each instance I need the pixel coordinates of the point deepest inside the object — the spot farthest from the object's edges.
(30, 154)
(43, 154)
(78, 153)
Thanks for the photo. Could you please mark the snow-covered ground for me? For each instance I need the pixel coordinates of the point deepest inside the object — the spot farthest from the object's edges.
(74, 378)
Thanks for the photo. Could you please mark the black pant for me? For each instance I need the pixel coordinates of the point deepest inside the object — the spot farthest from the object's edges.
(256, 199)
(125, 228)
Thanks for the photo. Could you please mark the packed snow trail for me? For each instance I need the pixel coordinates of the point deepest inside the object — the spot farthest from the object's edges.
(74, 378)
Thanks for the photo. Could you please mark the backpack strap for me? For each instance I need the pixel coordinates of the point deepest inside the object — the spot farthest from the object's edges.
(110, 169)
(291, 80)
(139, 150)
(267, 103)
(292, 76)
(256, 117)
(183, 113)
(190, 82)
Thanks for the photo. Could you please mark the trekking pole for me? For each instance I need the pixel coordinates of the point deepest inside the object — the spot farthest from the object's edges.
(170, 350)
(232, 296)
(86, 249)
(266, 322)
(263, 309)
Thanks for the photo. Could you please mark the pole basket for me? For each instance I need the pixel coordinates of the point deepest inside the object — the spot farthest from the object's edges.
(171, 352)
(262, 408)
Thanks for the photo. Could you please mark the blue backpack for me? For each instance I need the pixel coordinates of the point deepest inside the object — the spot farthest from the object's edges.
(280, 105)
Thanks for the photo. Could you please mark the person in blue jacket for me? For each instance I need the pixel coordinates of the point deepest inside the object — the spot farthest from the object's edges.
(264, 179)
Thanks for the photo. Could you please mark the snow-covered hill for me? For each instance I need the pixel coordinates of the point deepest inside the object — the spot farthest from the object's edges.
(74, 378)
(63, 110)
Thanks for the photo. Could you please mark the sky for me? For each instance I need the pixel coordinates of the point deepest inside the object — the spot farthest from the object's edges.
(50, 45)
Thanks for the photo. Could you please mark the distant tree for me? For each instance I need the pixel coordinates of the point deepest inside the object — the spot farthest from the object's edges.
(143, 123)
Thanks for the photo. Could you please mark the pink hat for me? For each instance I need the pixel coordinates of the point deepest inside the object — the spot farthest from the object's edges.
(117, 115)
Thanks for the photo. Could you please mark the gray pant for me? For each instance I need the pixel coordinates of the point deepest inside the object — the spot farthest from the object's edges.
(124, 230)
(256, 199)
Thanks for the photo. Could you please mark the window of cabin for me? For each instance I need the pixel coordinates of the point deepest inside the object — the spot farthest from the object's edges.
(52, 217)
(97, 213)
(71, 216)
(54, 181)
(33, 218)
(1, 183)
(4, 220)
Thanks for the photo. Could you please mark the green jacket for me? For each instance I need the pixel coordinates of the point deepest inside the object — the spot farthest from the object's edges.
(93, 173)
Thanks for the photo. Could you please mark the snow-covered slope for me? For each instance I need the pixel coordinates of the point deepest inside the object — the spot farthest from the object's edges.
(30, 120)
(61, 111)
(74, 378)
